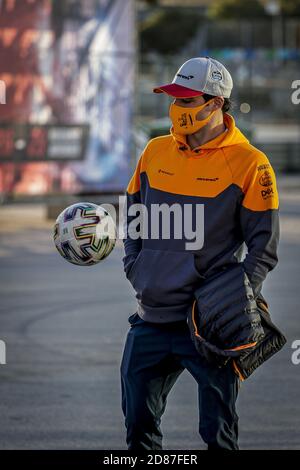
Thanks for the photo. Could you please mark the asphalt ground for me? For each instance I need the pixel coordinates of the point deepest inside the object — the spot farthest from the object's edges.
(65, 327)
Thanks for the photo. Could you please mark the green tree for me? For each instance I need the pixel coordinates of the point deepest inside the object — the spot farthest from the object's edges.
(290, 7)
(167, 30)
(228, 9)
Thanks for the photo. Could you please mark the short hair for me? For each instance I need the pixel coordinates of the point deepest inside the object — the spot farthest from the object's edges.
(227, 105)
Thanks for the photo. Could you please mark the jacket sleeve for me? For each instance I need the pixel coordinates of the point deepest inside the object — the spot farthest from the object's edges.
(132, 244)
(259, 220)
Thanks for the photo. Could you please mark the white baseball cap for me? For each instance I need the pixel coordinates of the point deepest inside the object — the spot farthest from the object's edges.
(199, 76)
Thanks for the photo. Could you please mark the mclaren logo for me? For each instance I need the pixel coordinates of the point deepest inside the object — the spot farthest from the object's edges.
(266, 179)
(186, 77)
(207, 179)
(164, 172)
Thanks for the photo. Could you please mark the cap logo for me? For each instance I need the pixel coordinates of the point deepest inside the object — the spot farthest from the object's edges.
(216, 75)
(185, 76)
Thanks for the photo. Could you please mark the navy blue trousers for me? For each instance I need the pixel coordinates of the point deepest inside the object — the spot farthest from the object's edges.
(154, 356)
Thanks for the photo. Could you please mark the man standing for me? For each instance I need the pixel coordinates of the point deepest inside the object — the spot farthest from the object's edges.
(205, 162)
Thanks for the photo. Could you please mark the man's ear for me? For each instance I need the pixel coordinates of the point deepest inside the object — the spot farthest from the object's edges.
(218, 103)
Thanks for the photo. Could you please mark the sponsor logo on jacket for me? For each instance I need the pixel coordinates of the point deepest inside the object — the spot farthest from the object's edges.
(266, 193)
(266, 179)
(263, 167)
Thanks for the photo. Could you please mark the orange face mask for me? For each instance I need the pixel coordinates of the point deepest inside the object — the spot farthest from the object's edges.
(184, 118)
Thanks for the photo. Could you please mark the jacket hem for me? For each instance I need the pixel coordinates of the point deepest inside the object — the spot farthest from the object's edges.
(162, 314)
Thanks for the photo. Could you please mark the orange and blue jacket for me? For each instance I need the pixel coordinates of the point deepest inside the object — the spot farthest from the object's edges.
(235, 184)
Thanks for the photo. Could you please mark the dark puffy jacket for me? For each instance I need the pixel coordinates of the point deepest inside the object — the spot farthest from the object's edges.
(227, 322)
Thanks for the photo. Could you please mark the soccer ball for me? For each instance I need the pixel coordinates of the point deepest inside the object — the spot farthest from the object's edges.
(84, 234)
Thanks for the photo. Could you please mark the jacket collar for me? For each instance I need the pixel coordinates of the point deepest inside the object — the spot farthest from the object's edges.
(232, 136)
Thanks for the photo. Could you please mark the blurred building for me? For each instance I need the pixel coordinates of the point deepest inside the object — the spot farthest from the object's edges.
(69, 70)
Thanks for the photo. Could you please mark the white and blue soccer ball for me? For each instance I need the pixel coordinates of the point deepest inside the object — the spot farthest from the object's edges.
(84, 233)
